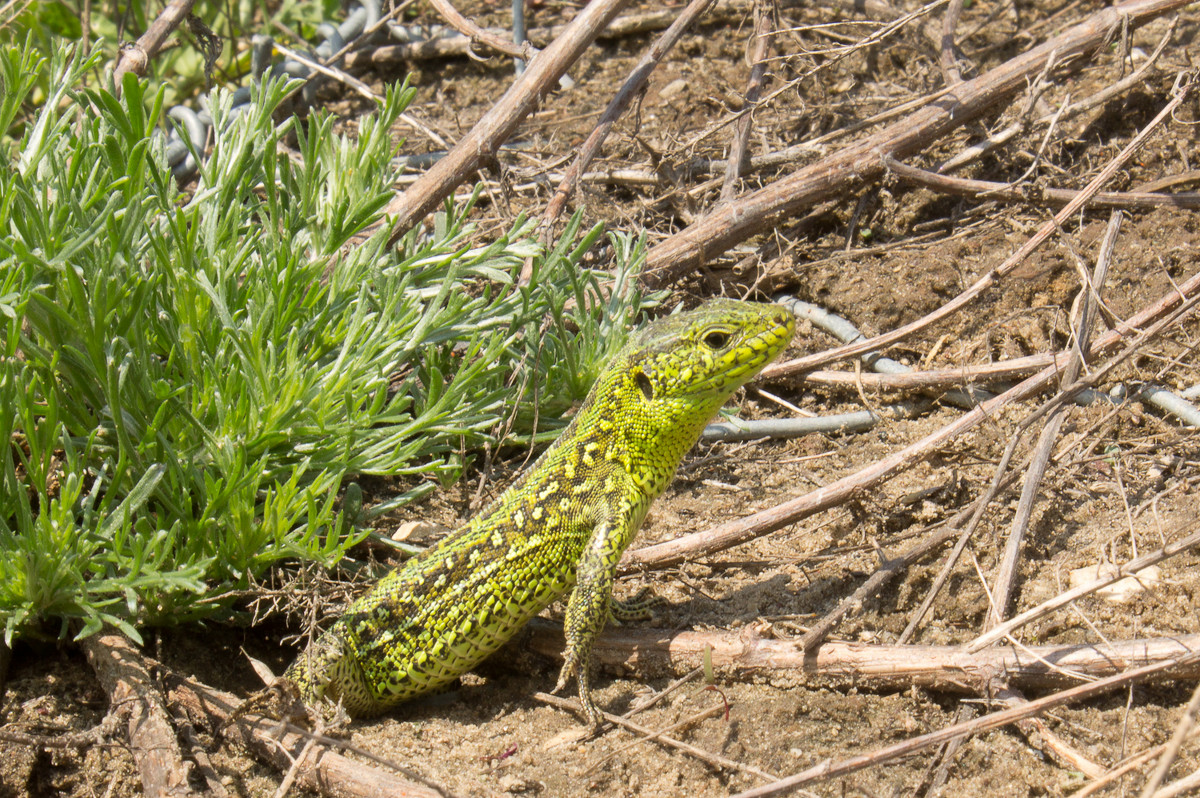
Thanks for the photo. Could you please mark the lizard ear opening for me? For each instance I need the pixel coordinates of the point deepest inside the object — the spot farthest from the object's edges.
(643, 382)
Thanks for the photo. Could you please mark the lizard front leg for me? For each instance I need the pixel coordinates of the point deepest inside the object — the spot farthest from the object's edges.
(588, 609)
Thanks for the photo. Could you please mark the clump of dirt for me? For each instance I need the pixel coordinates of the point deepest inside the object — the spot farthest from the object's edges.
(1122, 481)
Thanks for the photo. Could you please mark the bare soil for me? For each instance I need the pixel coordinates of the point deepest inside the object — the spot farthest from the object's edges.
(1124, 479)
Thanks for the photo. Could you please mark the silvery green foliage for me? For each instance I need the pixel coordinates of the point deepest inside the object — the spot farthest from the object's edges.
(188, 379)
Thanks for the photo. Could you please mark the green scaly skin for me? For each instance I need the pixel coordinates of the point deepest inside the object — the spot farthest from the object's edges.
(562, 525)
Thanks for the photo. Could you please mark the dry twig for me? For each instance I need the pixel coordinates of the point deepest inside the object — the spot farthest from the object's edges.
(953, 669)
(896, 565)
(126, 678)
(861, 162)
(964, 376)
(832, 769)
(1182, 730)
(760, 49)
(988, 190)
(712, 758)
(623, 26)
(1089, 309)
(482, 141)
(949, 53)
(475, 33)
(136, 57)
(1044, 739)
(634, 83)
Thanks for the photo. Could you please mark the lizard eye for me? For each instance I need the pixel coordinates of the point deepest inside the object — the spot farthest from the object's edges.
(716, 339)
(644, 384)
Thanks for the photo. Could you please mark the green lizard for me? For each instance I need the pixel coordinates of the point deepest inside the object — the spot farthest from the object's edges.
(563, 524)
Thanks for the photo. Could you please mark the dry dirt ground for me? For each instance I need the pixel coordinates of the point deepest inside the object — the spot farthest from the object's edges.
(1123, 480)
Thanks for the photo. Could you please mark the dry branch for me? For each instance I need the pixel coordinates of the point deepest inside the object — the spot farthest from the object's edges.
(125, 676)
(331, 72)
(100, 734)
(1122, 768)
(930, 28)
(843, 172)
(760, 50)
(480, 144)
(988, 190)
(741, 530)
(197, 752)
(940, 378)
(1185, 786)
(1182, 732)
(711, 757)
(329, 772)
(1007, 572)
(524, 51)
(136, 57)
(1042, 737)
(878, 667)
(633, 84)
(831, 769)
(949, 55)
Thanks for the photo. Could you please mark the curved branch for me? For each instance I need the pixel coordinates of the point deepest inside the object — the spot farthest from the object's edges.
(860, 163)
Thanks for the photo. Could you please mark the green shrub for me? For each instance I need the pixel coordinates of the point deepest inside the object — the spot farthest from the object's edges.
(188, 380)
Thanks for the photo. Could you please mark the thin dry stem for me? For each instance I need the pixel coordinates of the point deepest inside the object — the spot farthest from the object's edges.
(712, 758)
(1043, 738)
(832, 769)
(760, 50)
(949, 53)
(1004, 584)
(1063, 599)
(1183, 730)
(989, 190)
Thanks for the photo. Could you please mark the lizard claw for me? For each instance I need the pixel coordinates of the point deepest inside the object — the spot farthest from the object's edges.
(564, 675)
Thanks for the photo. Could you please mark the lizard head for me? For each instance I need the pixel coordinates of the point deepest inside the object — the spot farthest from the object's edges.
(654, 398)
(704, 355)
(676, 372)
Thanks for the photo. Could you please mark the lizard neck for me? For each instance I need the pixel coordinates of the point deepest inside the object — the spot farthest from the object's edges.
(646, 442)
